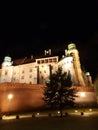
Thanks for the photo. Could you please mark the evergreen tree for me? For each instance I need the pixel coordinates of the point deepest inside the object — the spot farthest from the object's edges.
(59, 92)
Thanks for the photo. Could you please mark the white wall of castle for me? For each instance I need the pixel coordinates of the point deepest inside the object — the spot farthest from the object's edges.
(28, 73)
(67, 66)
(6, 74)
(39, 71)
(77, 66)
(45, 70)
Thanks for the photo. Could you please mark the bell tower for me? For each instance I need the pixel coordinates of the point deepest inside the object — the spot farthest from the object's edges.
(76, 63)
(7, 61)
(7, 69)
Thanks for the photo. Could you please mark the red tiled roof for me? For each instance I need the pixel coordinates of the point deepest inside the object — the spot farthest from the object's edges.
(23, 61)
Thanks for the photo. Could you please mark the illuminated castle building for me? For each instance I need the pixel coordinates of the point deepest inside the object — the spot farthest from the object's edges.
(25, 79)
(37, 70)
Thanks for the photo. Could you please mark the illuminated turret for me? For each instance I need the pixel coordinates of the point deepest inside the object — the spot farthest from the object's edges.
(7, 70)
(76, 63)
(7, 61)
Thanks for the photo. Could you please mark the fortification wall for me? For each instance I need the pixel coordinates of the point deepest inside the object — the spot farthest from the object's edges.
(26, 97)
(86, 96)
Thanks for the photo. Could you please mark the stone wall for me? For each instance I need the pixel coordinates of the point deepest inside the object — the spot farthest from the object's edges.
(86, 96)
(26, 97)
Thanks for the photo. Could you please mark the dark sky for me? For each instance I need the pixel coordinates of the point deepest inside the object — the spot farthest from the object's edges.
(29, 28)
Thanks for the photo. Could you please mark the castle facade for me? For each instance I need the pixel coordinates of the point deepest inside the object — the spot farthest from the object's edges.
(37, 70)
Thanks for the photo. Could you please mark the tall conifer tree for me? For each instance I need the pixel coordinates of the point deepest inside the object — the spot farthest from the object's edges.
(59, 92)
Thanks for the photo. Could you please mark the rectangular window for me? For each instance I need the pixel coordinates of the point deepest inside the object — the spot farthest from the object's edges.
(14, 79)
(42, 61)
(6, 72)
(30, 70)
(38, 61)
(46, 60)
(22, 77)
(50, 60)
(22, 71)
(54, 60)
(30, 76)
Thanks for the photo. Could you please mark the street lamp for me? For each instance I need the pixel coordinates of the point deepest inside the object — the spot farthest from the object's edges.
(10, 97)
(82, 94)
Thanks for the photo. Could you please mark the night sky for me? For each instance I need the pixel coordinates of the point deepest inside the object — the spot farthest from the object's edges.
(27, 29)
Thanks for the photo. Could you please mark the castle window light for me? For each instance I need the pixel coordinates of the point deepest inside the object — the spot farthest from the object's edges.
(35, 78)
(42, 61)
(30, 82)
(50, 60)
(46, 60)
(6, 72)
(54, 59)
(14, 79)
(30, 70)
(22, 77)
(38, 61)
(22, 71)
(30, 76)
(71, 54)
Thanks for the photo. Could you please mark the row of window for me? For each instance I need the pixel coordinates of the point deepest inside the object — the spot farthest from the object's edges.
(22, 77)
(6, 72)
(23, 72)
(47, 60)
